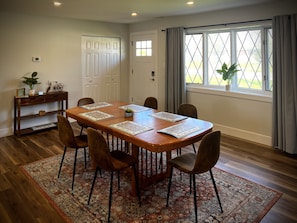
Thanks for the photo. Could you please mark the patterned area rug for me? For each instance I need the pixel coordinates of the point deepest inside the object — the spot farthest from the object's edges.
(242, 200)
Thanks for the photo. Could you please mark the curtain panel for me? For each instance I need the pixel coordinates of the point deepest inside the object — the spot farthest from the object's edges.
(175, 69)
(285, 83)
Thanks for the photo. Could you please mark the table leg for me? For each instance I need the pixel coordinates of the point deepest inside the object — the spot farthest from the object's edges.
(168, 157)
(135, 153)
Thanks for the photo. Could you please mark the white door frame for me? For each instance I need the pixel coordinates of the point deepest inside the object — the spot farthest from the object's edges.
(155, 53)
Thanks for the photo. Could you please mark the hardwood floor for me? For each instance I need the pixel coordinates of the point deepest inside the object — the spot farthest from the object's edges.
(20, 201)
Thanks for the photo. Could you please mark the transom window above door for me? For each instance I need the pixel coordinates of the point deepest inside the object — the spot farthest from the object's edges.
(144, 48)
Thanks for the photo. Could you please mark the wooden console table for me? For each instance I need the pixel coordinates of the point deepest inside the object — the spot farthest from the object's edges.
(61, 98)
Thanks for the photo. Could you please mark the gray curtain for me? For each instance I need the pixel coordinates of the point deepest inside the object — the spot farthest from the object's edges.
(285, 83)
(175, 69)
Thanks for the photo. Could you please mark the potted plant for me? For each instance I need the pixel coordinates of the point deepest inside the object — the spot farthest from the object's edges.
(128, 112)
(31, 82)
(227, 73)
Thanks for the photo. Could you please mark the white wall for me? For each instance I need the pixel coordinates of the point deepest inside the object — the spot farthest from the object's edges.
(248, 118)
(58, 43)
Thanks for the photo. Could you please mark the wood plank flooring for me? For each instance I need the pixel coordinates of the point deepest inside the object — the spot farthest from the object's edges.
(20, 201)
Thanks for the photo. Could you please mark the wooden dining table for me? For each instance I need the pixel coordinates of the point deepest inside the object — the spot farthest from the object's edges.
(144, 139)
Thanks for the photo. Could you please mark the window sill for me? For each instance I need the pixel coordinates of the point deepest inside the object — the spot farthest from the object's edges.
(234, 94)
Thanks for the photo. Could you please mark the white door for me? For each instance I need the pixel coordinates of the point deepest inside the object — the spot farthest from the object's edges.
(143, 78)
(101, 68)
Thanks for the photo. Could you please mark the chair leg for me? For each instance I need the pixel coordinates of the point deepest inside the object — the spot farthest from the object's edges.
(110, 196)
(194, 148)
(74, 165)
(137, 184)
(85, 154)
(81, 130)
(93, 183)
(216, 190)
(169, 185)
(190, 184)
(119, 183)
(195, 200)
(65, 148)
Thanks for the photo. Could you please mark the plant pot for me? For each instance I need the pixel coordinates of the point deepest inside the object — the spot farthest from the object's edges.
(32, 92)
(128, 114)
(227, 86)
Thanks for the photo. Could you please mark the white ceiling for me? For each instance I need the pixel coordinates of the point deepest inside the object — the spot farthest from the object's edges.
(119, 11)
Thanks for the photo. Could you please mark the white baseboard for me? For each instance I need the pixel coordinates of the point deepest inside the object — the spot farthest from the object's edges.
(6, 132)
(246, 135)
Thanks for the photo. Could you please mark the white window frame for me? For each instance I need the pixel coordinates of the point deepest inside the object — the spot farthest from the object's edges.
(266, 95)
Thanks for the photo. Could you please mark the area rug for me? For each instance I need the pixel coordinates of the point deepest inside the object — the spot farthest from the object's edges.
(242, 200)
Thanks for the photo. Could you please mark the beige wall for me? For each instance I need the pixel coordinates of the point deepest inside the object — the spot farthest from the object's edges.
(242, 116)
(58, 43)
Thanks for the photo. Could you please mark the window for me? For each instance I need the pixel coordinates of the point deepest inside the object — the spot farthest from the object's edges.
(143, 48)
(249, 47)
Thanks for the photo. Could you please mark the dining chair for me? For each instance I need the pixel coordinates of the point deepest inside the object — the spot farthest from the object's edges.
(191, 163)
(81, 102)
(188, 110)
(151, 102)
(114, 161)
(69, 140)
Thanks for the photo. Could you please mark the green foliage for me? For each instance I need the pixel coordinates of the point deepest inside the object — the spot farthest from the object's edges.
(228, 73)
(31, 81)
(128, 110)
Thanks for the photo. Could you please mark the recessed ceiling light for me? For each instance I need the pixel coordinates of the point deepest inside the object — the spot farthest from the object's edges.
(133, 14)
(190, 3)
(57, 4)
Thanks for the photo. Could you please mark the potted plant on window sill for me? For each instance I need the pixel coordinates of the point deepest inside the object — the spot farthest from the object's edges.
(31, 82)
(228, 73)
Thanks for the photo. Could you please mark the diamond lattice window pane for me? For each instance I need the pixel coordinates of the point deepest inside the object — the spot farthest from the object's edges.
(249, 58)
(219, 52)
(194, 59)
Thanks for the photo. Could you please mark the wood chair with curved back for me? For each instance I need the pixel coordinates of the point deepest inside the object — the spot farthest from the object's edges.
(151, 102)
(69, 140)
(191, 163)
(188, 110)
(81, 102)
(103, 159)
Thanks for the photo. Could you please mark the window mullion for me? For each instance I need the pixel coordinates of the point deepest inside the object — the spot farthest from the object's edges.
(205, 59)
(264, 61)
(233, 56)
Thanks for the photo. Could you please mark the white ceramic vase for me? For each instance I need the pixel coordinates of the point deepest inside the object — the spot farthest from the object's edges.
(227, 86)
(31, 92)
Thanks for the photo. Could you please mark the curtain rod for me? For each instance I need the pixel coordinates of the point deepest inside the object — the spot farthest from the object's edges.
(224, 24)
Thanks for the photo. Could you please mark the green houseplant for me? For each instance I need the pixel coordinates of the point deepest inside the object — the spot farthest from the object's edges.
(128, 112)
(31, 82)
(227, 73)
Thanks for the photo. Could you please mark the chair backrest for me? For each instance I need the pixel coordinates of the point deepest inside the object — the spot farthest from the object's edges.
(208, 152)
(187, 110)
(66, 132)
(99, 151)
(151, 102)
(85, 101)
